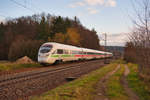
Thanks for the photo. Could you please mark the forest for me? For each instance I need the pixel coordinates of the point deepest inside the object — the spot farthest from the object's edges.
(23, 36)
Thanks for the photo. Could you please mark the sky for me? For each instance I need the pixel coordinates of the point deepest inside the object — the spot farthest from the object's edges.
(105, 16)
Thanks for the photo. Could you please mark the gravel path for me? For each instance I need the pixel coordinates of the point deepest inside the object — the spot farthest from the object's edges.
(101, 85)
(129, 92)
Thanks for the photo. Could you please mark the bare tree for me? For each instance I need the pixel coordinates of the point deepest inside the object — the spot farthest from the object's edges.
(140, 36)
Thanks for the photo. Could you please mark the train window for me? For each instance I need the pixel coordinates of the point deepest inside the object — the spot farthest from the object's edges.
(44, 51)
(100, 53)
(70, 52)
(80, 52)
(89, 53)
(92, 53)
(66, 51)
(85, 53)
(59, 51)
(45, 48)
(75, 52)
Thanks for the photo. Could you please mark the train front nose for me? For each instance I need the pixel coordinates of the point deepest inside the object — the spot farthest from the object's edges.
(42, 58)
(44, 52)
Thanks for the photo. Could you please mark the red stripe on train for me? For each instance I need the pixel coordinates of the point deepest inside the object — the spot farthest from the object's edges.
(89, 55)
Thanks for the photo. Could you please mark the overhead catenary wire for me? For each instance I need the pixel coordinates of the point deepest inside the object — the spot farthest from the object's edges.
(19, 4)
(1, 15)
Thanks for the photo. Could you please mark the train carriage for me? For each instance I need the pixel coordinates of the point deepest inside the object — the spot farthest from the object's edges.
(52, 52)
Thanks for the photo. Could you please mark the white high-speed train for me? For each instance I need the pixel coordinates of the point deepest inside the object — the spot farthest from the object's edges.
(52, 52)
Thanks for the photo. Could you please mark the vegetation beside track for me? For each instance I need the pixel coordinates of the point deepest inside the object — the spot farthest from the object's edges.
(115, 90)
(84, 87)
(80, 89)
(8, 66)
(136, 84)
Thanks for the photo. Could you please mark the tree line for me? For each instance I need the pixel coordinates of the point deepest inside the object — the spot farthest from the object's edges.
(23, 36)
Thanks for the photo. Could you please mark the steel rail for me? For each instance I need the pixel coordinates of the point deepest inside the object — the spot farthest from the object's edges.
(12, 79)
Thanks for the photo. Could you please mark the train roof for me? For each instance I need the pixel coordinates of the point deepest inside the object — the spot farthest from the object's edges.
(63, 46)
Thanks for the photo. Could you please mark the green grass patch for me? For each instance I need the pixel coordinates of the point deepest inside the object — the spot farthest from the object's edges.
(115, 90)
(13, 66)
(137, 85)
(80, 89)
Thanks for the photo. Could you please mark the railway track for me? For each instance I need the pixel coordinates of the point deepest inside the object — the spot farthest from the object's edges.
(23, 85)
(7, 78)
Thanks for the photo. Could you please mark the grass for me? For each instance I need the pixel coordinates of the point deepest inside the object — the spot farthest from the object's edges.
(7, 66)
(115, 90)
(137, 85)
(80, 89)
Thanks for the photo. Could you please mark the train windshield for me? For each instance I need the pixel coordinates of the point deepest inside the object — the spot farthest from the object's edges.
(45, 48)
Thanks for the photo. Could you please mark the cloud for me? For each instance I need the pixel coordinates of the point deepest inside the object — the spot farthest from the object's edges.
(92, 5)
(95, 2)
(2, 19)
(92, 11)
(106, 3)
(74, 5)
(111, 3)
(115, 39)
(80, 14)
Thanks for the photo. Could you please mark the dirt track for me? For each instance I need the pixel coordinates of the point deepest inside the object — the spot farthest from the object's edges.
(129, 92)
(101, 85)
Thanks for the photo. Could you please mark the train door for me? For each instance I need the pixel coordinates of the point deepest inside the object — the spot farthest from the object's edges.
(66, 55)
(60, 53)
(82, 53)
